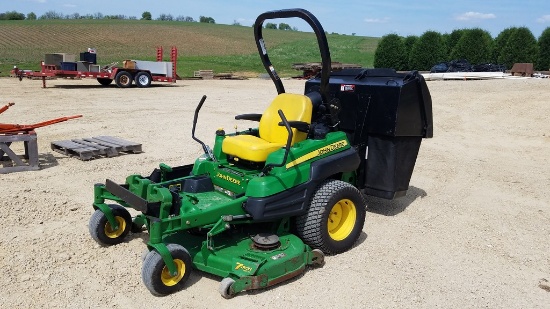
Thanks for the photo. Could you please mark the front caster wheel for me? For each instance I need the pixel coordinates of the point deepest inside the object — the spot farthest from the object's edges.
(156, 276)
(225, 288)
(102, 231)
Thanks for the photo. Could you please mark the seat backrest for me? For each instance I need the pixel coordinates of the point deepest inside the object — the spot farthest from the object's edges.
(296, 107)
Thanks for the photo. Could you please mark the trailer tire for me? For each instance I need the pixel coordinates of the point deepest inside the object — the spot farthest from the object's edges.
(123, 79)
(105, 81)
(143, 79)
(335, 217)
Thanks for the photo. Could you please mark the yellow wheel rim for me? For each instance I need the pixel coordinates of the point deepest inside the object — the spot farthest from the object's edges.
(110, 232)
(341, 219)
(170, 280)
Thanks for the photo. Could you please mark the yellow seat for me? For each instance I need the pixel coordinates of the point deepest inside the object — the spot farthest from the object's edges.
(296, 107)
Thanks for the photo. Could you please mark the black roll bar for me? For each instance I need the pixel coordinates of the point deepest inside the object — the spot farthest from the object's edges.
(321, 41)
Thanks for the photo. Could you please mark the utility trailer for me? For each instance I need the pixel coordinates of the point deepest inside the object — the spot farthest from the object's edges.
(138, 71)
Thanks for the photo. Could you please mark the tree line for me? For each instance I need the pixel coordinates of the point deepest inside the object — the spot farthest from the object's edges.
(14, 15)
(512, 45)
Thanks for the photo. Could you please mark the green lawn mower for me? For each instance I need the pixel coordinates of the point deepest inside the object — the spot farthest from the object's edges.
(265, 203)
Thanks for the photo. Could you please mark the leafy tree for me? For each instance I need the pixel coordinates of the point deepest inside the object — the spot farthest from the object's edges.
(184, 18)
(206, 19)
(31, 16)
(543, 61)
(146, 15)
(499, 43)
(521, 47)
(270, 26)
(51, 15)
(165, 17)
(390, 53)
(475, 45)
(428, 50)
(236, 23)
(12, 15)
(284, 26)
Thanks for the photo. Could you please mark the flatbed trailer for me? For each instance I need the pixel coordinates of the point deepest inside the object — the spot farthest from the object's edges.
(122, 76)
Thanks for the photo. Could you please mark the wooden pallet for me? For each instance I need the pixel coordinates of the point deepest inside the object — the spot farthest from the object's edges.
(95, 147)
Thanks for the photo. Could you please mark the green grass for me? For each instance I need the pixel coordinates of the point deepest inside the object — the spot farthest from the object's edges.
(221, 48)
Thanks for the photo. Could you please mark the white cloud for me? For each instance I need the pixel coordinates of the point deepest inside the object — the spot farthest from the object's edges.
(40, 1)
(543, 19)
(68, 5)
(475, 15)
(377, 20)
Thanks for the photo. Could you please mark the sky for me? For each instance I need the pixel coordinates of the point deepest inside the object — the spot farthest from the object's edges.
(365, 18)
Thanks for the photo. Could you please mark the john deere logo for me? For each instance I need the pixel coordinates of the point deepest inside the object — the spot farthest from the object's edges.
(331, 147)
(228, 178)
(319, 152)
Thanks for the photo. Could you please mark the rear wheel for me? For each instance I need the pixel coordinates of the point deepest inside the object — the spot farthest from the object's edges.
(335, 217)
(143, 79)
(123, 79)
(157, 277)
(105, 81)
(103, 232)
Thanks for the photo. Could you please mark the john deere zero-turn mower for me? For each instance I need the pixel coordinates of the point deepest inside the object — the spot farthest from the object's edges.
(265, 203)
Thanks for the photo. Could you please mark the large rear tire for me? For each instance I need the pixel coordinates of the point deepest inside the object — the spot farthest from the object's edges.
(157, 277)
(335, 217)
(123, 79)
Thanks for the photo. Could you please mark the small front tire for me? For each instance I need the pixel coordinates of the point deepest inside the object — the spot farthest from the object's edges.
(225, 288)
(101, 230)
(157, 277)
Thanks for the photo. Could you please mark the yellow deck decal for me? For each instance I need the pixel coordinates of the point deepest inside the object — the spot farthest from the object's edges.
(318, 152)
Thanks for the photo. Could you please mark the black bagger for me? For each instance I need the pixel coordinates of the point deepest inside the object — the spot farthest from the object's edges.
(385, 115)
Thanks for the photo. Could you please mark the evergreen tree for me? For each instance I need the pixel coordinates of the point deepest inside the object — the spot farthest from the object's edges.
(521, 47)
(543, 61)
(475, 45)
(428, 50)
(499, 43)
(391, 53)
(408, 42)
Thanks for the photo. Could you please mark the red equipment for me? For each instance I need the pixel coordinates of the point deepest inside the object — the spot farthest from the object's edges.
(12, 128)
(123, 77)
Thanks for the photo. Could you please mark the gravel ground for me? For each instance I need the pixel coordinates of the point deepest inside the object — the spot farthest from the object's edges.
(473, 230)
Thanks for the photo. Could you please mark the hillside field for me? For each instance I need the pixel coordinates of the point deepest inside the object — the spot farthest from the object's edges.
(201, 46)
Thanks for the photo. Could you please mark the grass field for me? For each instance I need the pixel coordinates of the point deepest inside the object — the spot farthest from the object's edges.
(222, 48)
